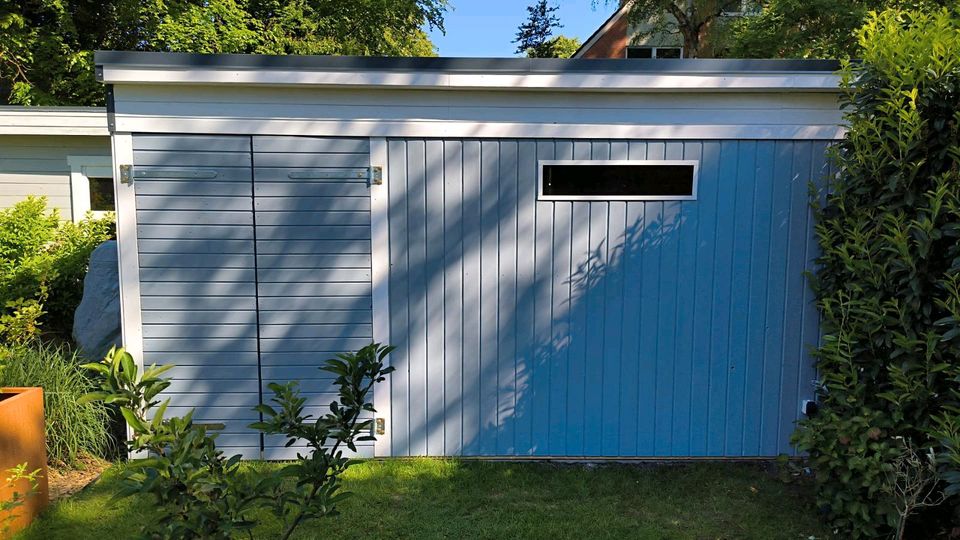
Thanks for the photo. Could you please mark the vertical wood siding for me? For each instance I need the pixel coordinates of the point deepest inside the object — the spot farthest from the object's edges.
(255, 271)
(599, 328)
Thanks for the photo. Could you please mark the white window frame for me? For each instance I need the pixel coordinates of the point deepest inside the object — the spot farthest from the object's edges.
(746, 10)
(82, 168)
(598, 162)
(626, 51)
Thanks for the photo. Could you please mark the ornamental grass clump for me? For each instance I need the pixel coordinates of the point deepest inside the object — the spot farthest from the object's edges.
(74, 429)
(888, 279)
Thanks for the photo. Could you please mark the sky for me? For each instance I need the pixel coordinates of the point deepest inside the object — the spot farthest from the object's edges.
(487, 27)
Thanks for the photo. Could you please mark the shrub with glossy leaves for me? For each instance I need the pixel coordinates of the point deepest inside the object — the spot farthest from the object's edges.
(888, 279)
(198, 491)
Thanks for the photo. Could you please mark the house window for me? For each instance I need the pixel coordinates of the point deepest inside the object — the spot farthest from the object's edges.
(101, 194)
(91, 185)
(654, 52)
(741, 8)
(640, 52)
(647, 180)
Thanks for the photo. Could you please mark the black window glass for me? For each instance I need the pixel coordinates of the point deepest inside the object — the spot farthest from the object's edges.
(101, 194)
(663, 180)
(639, 52)
(668, 53)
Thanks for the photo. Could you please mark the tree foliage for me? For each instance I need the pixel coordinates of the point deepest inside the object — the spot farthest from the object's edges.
(534, 33)
(888, 280)
(46, 54)
(555, 47)
(699, 24)
(809, 28)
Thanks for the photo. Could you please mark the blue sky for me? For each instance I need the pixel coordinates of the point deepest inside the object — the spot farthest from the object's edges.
(487, 27)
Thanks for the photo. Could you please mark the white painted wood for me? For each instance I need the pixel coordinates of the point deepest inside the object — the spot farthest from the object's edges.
(81, 169)
(380, 267)
(130, 315)
(574, 111)
(131, 329)
(295, 98)
(600, 162)
(53, 121)
(416, 128)
(580, 82)
(404, 112)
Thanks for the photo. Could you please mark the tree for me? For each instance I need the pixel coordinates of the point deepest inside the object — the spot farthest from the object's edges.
(809, 28)
(46, 51)
(555, 47)
(534, 33)
(699, 23)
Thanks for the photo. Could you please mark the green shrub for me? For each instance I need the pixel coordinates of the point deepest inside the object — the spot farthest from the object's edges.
(14, 478)
(888, 279)
(43, 261)
(199, 492)
(73, 428)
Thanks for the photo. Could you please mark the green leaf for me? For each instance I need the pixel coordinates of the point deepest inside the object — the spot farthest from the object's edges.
(135, 423)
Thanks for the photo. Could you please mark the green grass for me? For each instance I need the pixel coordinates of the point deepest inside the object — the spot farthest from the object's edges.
(431, 498)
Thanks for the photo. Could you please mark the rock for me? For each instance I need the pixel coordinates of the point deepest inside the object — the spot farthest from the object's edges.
(96, 323)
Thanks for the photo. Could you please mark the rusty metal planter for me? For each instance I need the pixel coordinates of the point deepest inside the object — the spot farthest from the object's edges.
(22, 440)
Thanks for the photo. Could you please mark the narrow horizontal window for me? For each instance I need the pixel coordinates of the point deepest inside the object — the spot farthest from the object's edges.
(654, 52)
(618, 180)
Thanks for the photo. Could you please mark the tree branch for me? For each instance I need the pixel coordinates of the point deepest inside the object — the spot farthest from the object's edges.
(678, 14)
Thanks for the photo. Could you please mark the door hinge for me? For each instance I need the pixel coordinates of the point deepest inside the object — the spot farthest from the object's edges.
(380, 426)
(126, 174)
(376, 176)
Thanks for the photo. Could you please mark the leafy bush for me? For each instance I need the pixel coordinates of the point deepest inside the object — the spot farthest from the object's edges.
(14, 478)
(198, 491)
(43, 261)
(73, 428)
(888, 280)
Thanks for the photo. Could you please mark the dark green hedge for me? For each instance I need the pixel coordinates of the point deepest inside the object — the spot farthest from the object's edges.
(888, 281)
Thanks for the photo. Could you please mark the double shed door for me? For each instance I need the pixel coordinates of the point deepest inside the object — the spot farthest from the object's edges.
(254, 267)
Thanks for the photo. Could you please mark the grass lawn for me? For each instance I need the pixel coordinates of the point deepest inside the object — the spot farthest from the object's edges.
(432, 498)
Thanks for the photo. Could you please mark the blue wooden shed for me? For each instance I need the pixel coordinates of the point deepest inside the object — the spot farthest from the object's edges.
(575, 258)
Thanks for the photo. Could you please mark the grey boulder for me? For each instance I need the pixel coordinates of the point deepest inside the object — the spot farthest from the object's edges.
(96, 323)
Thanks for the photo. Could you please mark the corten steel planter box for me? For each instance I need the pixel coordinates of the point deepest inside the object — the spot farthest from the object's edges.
(22, 440)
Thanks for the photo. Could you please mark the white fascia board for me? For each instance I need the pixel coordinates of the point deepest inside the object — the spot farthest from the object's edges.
(80, 121)
(587, 82)
(454, 129)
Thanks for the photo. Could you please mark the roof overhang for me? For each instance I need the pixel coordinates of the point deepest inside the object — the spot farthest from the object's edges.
(491, 74)
(76, 121)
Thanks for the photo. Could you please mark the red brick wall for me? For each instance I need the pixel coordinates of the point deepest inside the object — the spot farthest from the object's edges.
(612, 44)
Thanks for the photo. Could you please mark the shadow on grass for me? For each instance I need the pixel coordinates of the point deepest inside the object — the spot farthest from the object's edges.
(433, 498)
